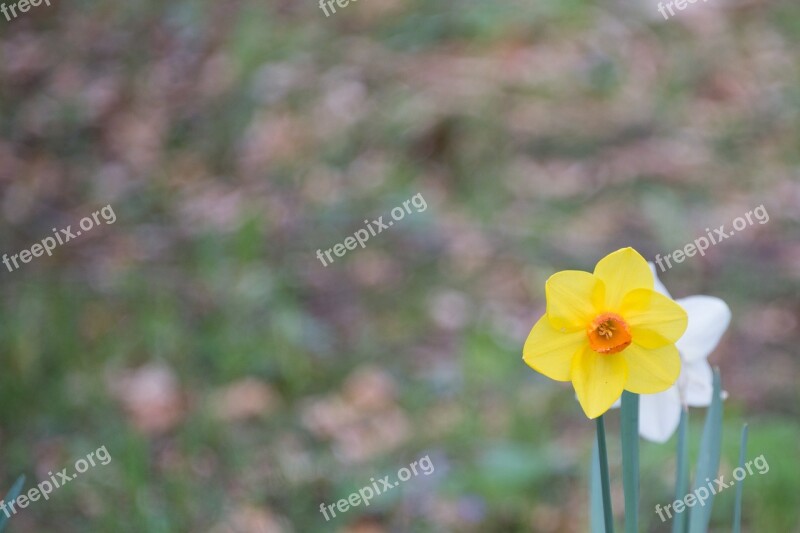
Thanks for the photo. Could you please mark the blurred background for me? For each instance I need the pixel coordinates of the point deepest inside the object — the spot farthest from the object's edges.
(237, 383)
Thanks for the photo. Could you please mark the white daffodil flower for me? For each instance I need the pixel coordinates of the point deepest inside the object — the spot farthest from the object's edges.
(709, 317)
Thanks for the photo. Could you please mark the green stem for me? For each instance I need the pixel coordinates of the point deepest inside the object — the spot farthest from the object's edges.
(737, 510)
(596, 501)
(682, 471)
(630, 459)
(601, 449)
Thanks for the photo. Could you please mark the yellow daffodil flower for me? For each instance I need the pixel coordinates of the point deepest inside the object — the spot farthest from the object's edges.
(607, 331)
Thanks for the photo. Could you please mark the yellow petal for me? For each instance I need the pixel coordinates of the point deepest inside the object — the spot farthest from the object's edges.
(622, 271)
(550, 351)
(655, 320)
(573, 297)
(651, 371)
(598, 380)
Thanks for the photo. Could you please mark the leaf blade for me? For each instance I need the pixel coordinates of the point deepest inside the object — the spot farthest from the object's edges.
(12, 495)
(708, 459)
(737, 509)
(629, 429)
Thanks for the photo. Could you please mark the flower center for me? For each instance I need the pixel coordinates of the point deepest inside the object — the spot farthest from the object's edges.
(608, 333)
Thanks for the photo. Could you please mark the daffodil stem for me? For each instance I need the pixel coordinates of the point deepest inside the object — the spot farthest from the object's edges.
(629, 423)
(737, 509)
(682, 470)
(604, 483)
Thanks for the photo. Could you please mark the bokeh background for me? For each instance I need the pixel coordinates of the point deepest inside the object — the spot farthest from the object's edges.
(237, 383)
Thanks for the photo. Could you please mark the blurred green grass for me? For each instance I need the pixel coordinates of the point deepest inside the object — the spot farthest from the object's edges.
(234, 140)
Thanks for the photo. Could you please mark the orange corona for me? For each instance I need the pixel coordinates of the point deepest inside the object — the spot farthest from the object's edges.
(608, 333)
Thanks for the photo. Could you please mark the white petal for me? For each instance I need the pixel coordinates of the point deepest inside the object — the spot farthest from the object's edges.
(659, 415)
(708, 319)
(698, 385)
(659, 287)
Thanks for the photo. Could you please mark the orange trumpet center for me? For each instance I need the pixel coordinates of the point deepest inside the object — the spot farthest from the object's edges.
(608, 333)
